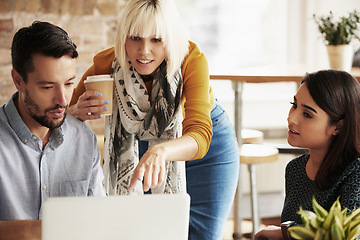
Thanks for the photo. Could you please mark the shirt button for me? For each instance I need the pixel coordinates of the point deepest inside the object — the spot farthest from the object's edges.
(44, 187)
(34, 137)
(25, 140)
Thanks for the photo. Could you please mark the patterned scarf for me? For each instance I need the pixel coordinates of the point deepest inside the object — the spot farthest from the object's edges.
(135, 118)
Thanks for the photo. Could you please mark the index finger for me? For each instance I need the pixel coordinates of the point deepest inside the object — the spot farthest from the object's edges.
(136, 177)
(90, 94)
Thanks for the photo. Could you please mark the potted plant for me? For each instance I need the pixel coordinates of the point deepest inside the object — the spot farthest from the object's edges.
(332, 224)
(337, 36)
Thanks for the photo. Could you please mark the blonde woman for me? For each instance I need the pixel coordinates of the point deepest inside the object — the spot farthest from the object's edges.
(164, 116)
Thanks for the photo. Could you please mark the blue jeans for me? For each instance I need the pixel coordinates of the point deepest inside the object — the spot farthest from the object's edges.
(212, 180)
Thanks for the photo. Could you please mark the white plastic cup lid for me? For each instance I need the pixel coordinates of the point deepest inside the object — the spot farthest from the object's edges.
(98, 79)
(100, 76)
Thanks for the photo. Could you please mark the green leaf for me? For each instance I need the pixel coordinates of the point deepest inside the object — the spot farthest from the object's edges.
(353, 215)
(306, 216)
(336, 233)
(338, 32)
(299, 232)
(318, 209)
(354, 233)
(320, 234)
(327, 225)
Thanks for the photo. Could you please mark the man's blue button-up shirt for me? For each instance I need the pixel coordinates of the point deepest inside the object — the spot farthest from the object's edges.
(69, 165)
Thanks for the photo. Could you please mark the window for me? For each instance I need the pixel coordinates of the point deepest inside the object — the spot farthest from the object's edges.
(236, 34)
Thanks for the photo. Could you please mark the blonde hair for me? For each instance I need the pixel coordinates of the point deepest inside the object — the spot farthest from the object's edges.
(149, 18)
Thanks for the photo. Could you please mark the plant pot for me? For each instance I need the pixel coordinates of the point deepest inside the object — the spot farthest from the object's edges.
(340, 56)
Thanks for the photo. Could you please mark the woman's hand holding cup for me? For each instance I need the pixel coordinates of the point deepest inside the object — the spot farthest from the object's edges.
(96, 101)
(90, 105)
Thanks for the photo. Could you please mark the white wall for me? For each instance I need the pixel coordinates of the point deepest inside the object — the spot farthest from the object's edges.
(238, 34)
(315, 51)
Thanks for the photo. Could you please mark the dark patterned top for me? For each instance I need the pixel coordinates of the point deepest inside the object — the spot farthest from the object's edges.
(299, 189)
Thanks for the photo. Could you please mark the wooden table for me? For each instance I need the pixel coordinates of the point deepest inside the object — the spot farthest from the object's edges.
(263, 75)
(268, 74)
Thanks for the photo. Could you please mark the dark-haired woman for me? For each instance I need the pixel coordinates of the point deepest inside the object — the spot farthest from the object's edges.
(325, 118)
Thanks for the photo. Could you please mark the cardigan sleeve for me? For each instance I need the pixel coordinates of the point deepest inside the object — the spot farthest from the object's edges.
(197, 99)
(102, 65)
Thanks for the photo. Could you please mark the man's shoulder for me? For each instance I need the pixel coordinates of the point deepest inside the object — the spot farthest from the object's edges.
(74, 120)
(73, 124)
(4, 123)
(2, 112)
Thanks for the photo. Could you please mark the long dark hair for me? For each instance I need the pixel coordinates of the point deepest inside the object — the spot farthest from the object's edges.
(40, 38)
(338, 94)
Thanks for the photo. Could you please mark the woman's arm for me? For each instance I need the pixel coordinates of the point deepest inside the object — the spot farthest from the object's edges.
(84, 102)
(151, 166)
(20, 229)
(197, 99)
(269, 233)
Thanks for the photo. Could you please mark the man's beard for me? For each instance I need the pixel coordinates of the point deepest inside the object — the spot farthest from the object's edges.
(34, 112)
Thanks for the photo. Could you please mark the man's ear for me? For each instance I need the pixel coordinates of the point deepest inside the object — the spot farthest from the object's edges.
(17, 79)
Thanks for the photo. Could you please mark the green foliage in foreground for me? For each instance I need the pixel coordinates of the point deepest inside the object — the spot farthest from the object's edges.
(321, 224)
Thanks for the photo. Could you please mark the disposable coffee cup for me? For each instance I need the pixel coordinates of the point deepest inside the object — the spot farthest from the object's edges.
(104, 85)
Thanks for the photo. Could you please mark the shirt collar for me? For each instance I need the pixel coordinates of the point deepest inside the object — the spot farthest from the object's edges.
(23, 132)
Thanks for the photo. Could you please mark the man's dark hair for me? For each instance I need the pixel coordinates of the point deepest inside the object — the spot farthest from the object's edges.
(40, 38)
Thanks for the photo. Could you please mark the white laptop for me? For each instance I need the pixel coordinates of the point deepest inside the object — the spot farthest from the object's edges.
(146, 217)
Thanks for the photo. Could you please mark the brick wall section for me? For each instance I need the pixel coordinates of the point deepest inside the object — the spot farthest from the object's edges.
(91, 24)
(62, 7)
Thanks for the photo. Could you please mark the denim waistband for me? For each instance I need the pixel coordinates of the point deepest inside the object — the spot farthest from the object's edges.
(217, 113)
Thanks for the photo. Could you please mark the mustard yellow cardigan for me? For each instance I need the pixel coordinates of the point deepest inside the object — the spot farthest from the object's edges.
(197, 98)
